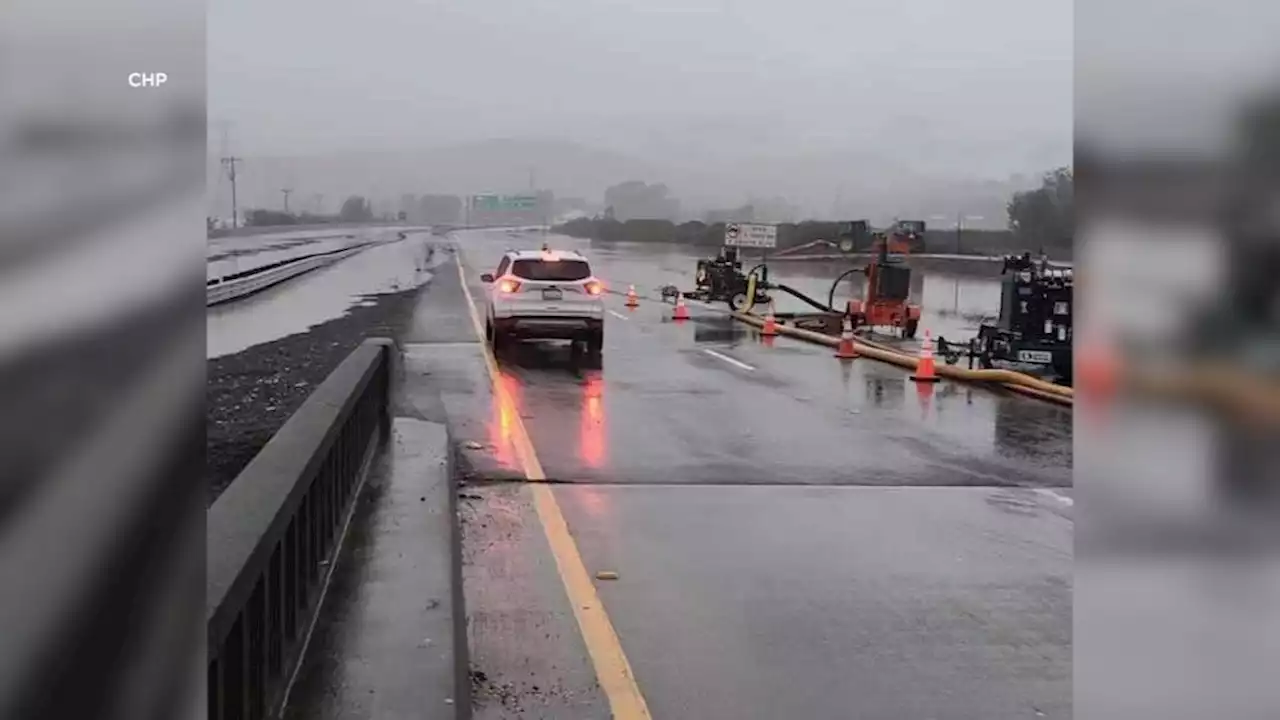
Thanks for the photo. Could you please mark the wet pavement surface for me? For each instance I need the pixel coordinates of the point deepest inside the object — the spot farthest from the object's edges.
(707, 401)
(794, 535)
(384, 648)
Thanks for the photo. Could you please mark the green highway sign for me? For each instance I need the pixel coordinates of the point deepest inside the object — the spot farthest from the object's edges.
(498, 203)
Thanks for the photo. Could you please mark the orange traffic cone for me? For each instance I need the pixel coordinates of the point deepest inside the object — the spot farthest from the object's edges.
(1099, 371)
(924, 392)
(681, 312)
(632, 300)
(924, 368)
(845, 350)
(770, 323)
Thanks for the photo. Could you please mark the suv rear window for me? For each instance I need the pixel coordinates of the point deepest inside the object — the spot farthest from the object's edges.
(558, 271)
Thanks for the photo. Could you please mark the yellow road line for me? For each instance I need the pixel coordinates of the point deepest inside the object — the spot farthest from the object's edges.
(610, 662)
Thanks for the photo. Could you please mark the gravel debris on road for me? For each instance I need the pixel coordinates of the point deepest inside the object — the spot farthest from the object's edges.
(252, 393)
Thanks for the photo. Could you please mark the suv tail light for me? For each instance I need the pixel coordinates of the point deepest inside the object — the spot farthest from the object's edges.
(595, 287)
(508, 286)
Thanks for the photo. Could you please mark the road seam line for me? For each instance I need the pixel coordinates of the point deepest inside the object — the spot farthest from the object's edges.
(613, 671)
(726, 358)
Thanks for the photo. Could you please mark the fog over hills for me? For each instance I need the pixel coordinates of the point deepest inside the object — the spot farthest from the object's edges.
(823, 184)
(853, 109)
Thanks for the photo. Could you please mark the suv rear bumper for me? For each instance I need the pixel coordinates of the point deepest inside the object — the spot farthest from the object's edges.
(548, 327)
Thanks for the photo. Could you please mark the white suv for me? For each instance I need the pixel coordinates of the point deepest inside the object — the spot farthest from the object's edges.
(544, 294)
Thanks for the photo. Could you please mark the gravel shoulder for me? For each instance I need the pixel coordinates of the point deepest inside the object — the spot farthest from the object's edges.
(252, 393)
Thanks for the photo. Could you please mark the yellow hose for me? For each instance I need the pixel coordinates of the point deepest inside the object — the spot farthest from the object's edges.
(1245, 396)
(1019, 382)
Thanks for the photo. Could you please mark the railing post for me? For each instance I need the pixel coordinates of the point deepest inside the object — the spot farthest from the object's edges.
(272, 528)
(388, 374)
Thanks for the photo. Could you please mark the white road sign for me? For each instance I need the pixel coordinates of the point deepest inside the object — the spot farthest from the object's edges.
(751, 235)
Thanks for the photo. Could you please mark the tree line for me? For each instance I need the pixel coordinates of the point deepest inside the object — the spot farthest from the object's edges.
(1039, 220)
(355, 209)
(1045, 217)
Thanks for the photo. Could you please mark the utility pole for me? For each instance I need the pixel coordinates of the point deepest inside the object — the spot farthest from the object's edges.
(286, 192)
(229, 163)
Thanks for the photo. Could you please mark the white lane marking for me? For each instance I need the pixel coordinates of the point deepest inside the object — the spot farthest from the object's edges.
(619, 315)
(1068, 501)
(726, 358)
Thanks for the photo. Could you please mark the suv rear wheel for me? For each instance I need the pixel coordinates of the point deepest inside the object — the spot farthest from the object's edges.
(595, 342)
(496, 338)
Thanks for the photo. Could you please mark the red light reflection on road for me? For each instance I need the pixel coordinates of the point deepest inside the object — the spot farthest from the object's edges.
(502, 422)
(592, 500)
(591, 428)
(924, 391)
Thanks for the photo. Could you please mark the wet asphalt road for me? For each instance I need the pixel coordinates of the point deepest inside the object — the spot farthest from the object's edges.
(795, 536)
(707, 401)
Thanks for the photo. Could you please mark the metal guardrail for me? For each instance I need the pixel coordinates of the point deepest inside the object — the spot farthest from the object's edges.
(273, 534)
(252, 231)
(220, 292)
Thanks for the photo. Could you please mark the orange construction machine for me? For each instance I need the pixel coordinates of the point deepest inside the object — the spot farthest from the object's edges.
(884, 302)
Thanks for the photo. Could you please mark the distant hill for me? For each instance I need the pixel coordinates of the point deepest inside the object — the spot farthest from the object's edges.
(868, 185)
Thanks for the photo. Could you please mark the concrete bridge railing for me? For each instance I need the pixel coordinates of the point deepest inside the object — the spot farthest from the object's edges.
(274, 533)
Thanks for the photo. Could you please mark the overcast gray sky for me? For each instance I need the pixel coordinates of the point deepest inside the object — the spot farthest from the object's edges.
(982, 84)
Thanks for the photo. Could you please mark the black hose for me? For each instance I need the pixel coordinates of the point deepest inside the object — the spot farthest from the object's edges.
(805, 298)
(831, 294)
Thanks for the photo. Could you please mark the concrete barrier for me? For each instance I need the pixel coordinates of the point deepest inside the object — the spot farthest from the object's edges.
(273, 534)
(276, 534)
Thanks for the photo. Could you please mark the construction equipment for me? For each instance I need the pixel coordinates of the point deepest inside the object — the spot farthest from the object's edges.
(721, 279)
(885, 301)
(1034, 327)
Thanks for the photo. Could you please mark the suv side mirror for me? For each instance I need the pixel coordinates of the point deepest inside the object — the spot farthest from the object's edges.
(487, 277)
